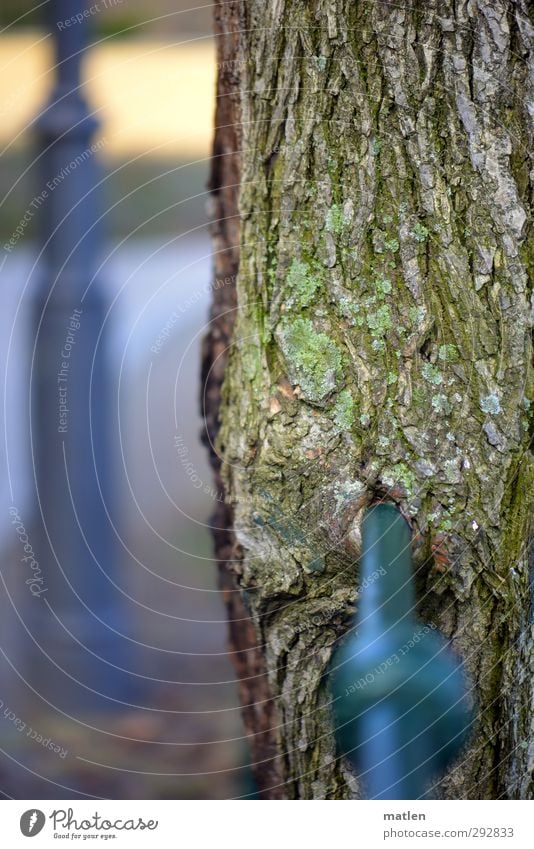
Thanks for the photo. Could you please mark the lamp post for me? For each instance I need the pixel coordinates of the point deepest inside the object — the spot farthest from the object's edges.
(80, 609)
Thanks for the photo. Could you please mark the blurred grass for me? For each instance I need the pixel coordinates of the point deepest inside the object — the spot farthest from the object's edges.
(162, 17)
(150, 196)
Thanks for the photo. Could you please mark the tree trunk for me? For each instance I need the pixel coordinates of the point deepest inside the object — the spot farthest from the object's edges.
(377, 343)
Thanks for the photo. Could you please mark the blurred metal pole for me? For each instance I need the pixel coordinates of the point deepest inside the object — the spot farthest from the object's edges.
(72, 417)
(400, 702)
(392, 768)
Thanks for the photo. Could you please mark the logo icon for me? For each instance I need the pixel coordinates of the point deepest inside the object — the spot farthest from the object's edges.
(32, 822)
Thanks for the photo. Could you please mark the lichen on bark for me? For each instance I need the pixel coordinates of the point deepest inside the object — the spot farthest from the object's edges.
(382, 345)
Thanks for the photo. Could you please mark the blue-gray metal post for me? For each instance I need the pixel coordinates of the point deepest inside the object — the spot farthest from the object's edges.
(399, 697)
(71, 404)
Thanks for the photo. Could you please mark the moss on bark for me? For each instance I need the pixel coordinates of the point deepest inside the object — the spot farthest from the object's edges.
(382, 346)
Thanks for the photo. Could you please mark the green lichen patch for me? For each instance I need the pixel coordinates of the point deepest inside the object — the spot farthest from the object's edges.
(448, 353)
(441, 404)
(490, 404)
(444, 525)
(313, 359)
(383, 243)
(376, 146)
(417, 315)
(352, 311)
(383, 286)
(400, 474)
(420, 232)
(303, 282)
(379, 322)
(334, 219)
(432, 374)
(391, 245)
(344, 410)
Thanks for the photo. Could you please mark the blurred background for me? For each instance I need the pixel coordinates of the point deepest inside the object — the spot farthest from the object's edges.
(114, 676)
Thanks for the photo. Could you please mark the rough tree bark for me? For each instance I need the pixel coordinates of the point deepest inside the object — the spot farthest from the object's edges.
(370, 195)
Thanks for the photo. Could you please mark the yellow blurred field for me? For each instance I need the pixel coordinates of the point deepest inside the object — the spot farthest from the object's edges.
(150, 95)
